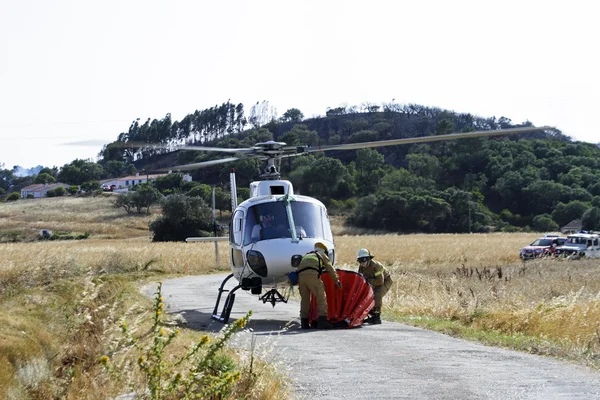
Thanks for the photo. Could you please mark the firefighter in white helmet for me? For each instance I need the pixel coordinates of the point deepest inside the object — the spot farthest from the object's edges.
(377, 276)
(312, 265)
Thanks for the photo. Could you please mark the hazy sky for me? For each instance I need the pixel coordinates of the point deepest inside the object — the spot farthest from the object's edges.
(83, 70)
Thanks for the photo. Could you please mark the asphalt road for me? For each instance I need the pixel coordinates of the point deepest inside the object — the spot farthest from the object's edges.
(388, 361)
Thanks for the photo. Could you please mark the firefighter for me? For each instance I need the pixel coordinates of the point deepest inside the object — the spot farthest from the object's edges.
(312, 265)
(378, 278)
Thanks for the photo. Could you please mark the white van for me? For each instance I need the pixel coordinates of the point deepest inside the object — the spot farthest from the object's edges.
(580, 245)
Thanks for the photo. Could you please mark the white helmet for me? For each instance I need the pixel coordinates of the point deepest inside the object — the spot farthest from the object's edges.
(362, 253)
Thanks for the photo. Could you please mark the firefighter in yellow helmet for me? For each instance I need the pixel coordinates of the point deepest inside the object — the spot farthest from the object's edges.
(378, 278)
(312, 265)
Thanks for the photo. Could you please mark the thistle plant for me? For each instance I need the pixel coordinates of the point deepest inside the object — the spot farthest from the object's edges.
(204, 372)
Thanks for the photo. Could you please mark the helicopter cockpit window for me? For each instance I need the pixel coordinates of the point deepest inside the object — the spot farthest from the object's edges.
(307, 219)
(266, 221)
(235, 231)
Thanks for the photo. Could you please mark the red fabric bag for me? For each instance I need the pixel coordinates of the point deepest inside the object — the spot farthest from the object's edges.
(346, 307)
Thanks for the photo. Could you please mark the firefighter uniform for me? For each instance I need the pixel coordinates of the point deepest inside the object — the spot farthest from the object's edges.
(378, 277)
(309, 271)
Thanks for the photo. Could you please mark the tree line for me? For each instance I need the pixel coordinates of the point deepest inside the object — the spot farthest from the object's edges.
(537, 181)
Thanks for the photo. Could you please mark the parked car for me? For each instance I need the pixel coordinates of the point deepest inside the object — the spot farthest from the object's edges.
(541, 247)
(108, 188)
(580, 245)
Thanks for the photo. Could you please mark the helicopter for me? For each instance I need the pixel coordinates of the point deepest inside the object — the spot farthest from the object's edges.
(274, 228)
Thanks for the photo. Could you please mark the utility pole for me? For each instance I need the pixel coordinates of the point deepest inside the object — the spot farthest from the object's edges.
(214, 203)
(469, 217)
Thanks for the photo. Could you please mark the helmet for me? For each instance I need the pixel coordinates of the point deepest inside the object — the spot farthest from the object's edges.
(364, 253)
(319, 246)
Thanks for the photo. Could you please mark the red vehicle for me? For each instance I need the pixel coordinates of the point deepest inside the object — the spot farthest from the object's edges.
(541, 247)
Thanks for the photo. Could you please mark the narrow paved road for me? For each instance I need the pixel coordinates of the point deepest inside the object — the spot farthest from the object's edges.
(388, 361)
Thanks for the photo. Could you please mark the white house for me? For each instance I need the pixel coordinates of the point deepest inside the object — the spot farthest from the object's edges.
(132, 180)
(40, 189)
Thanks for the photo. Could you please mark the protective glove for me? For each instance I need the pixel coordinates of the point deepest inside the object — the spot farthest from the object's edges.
(339, 284)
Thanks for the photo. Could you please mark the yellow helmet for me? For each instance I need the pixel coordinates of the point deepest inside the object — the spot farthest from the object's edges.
(319, 246)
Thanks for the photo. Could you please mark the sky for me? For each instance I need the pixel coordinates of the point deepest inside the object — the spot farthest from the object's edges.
(83, 70)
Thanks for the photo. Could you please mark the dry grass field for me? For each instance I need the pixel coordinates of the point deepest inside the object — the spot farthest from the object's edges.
(25, 218)
(472, 286)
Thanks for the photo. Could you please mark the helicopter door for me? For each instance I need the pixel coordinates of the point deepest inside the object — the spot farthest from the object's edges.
(235, 239)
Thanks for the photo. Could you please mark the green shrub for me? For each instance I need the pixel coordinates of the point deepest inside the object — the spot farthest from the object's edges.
(57, 192)
(62, 235)
(182, 217)
(544, 223)
(91, 186)
(14, 196)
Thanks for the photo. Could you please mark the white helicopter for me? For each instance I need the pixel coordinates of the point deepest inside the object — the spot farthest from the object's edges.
(271, 231)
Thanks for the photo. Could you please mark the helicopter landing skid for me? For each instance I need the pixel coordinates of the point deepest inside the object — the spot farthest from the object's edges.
(273, 296)
(224, 317)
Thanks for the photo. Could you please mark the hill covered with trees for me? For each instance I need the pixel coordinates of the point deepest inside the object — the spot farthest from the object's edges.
(535, 181)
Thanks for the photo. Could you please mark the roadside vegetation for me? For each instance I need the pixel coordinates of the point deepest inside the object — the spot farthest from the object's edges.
(63, 303)
(475, 286)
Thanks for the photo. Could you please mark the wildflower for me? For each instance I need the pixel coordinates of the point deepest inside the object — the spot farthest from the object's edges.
(161, 331)
(104, 360)
(240, 323)
(205, 339)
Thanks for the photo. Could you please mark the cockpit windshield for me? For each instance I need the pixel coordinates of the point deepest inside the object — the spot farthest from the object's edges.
(270, 221)
(307, 219)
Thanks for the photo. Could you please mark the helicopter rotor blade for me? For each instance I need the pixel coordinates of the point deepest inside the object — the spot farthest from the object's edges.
(170, 147)
(198, 165)
(242, 150)
(423, 139)
(216, 149)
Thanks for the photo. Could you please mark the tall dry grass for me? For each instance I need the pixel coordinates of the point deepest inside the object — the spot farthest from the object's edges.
(94, 215)
(546, 306)
(473, 281)
(61, 302)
